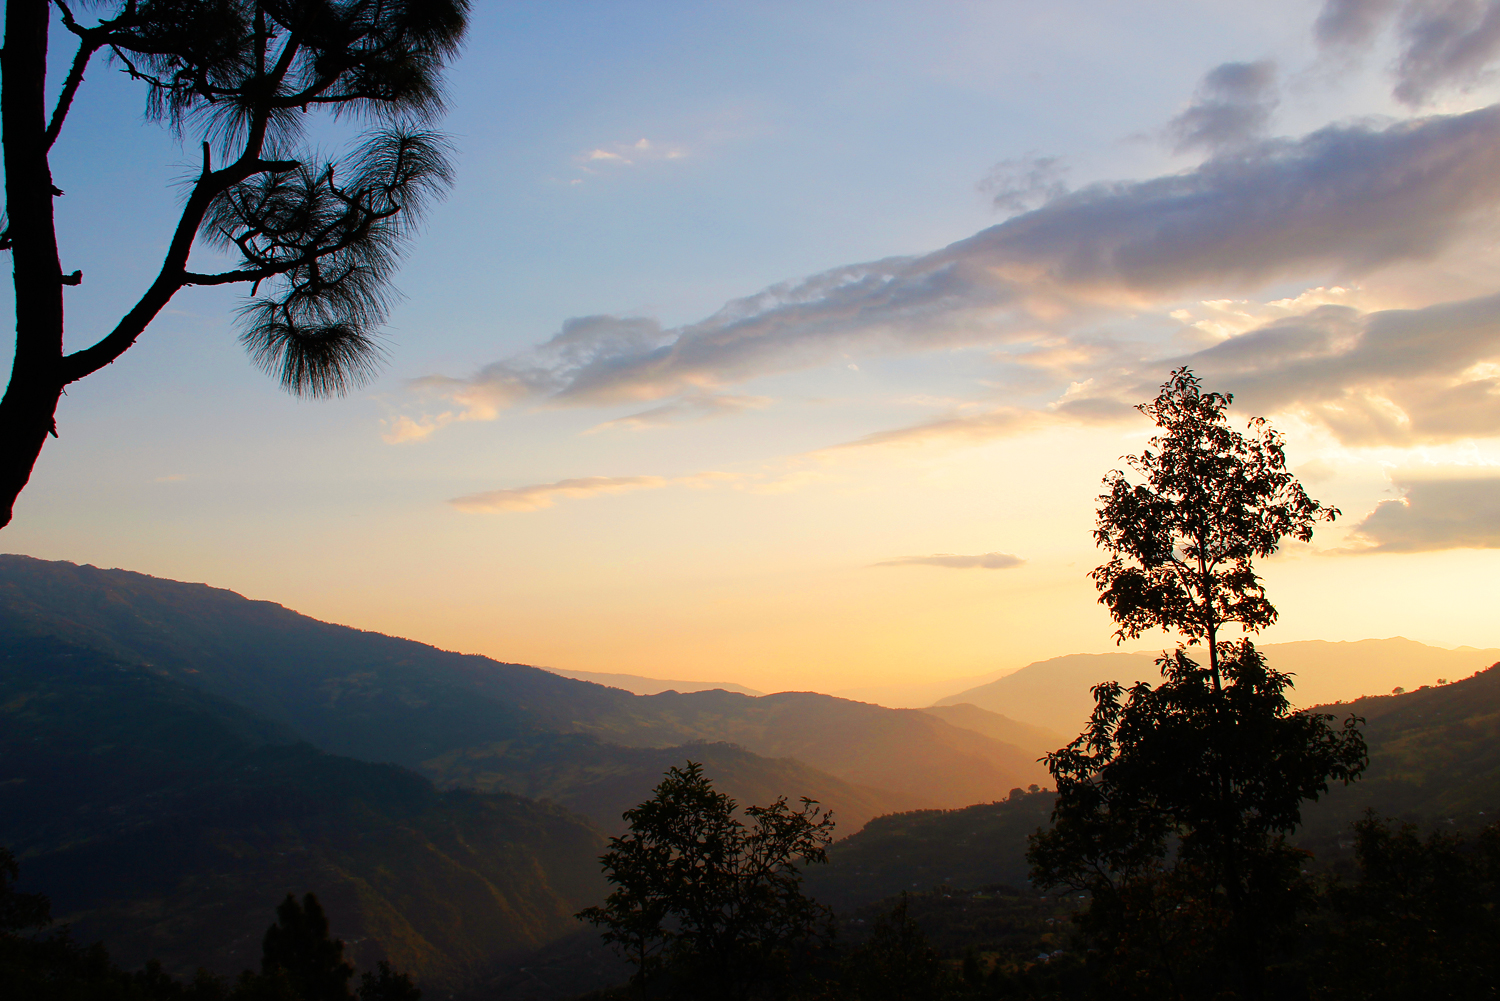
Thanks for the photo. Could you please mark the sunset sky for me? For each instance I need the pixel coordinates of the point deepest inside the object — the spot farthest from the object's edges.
(787, 342)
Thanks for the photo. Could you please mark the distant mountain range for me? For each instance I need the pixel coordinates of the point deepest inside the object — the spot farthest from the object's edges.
(1055, 693)
(381, 698)
(174, 758)
(635, 684)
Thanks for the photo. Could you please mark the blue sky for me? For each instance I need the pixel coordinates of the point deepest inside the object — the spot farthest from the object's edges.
(671, 490)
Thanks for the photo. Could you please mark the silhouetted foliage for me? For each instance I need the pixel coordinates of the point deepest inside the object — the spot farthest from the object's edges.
(1174, 804)
(298, 945)
(706, 900)
(1181, 544)
(1423, 920)
(896, 962)
(385, 984)
(19, 911)
(316, 241)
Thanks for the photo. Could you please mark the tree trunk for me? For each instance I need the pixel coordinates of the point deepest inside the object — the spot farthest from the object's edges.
(28, 409)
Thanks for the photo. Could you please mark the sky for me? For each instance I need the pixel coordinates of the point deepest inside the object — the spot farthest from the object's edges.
(788, 343)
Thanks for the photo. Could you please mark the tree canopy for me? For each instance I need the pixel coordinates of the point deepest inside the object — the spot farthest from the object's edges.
(1174, 804)
(1182, 542)
(702, 897)
(317, 241)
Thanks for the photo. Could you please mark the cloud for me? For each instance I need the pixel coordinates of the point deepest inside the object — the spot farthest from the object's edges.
(1399, 376)
(544, 495)
(1434, 514)
(1233, 106)
(1396, 377)
(1026, 182)
(1445, 43)
(690, 407)
(1351, 23)
(1347, 199)
(1441, 44)
(626, 155)
(984, 561)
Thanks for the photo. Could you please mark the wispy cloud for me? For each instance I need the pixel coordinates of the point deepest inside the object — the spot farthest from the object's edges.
(1434, 514)
(544, 495)
(624, 154)
(984, 561)
(690, 407)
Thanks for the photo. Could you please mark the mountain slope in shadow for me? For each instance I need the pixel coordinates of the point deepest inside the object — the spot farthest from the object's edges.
(170, 823)
(602, 781)
(380, 698)
(1434, 761)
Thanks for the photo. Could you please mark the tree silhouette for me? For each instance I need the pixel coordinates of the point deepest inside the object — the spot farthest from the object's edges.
(298, 948)
(19, 911)
(704, 897)
(1423, 921)
(1181, 544)
(897, 963)
(386, 984)
(316, 241)
(1174, 804)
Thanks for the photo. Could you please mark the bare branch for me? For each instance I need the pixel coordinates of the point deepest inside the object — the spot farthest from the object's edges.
(230, 277)
(86, 49)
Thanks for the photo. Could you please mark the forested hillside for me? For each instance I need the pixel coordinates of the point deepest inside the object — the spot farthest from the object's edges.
(170, 823)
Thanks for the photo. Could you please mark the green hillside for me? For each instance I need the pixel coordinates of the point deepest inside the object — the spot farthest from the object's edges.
(170, 823)
(1434, 758)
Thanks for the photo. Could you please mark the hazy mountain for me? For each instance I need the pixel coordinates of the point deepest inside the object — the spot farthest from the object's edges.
(915, 694)
(170, 823)
(1055, 693)
(904, 750)
(1034, 740)
(638, 685)
(602, 781)
(380, 698)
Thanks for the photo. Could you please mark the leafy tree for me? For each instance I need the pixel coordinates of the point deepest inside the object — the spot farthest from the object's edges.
(298, 949)
(1181, 543)
(704, 897)
(1174, 804)
(316, 241)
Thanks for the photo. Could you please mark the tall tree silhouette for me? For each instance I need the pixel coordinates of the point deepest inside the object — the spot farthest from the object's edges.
(1182, 542)
(1174, 803)
(316, 241)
